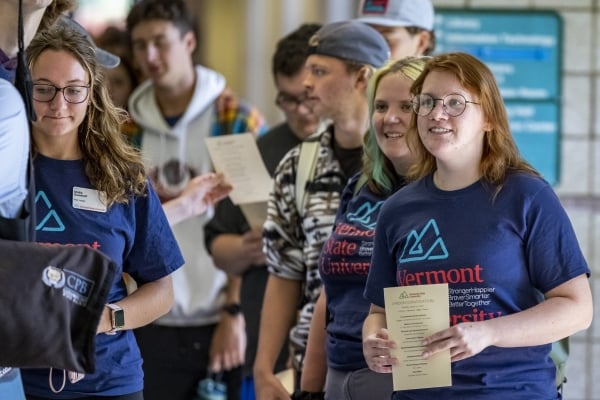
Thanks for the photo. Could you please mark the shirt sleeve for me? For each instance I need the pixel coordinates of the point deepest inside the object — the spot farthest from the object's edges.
(282, 233)
(155, 252)
(14, 148)
(553, 252)
(228, 219)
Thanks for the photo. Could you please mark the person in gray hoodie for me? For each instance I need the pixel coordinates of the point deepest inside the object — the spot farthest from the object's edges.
(177, 108)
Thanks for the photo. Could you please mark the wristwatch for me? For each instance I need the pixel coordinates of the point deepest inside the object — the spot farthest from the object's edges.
(117, 319)
(232, 309)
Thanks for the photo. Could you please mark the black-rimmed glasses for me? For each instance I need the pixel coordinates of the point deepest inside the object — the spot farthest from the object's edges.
(288, 102)
(74, 94)
(453, 104)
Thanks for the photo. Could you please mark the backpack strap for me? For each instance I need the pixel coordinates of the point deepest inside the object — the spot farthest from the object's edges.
(307, 162)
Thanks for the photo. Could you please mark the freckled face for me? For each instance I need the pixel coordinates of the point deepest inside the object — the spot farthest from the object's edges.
(451, 139)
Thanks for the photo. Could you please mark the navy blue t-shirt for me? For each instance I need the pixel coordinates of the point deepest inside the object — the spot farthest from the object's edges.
(137, 236)
(343, 266)
(498, 256)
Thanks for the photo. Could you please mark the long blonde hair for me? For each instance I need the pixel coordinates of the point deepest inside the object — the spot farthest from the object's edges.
(111, 164)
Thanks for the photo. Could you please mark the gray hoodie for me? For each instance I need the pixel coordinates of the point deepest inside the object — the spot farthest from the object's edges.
(169, 151)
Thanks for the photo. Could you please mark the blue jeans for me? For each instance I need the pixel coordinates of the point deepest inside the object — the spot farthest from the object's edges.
(11, 386)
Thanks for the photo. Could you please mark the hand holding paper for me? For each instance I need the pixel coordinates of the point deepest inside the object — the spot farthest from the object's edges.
(414, 313)
(201, 192)
(238, 158)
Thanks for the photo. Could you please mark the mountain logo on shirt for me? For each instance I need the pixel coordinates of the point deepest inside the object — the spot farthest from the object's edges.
(424, 245)
(51, 222)
(364, 215)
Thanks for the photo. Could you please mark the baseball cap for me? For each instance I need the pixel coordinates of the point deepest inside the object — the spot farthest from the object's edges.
(417, 13)
(104, 58)
(350, 40)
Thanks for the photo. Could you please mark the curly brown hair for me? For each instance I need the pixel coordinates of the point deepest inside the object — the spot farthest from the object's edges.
(112, 165)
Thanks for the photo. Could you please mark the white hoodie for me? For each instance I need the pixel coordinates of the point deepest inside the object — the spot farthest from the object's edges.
(199, 286)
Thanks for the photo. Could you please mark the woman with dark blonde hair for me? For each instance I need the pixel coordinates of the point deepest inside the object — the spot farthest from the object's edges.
(92, 190)
(479, 218)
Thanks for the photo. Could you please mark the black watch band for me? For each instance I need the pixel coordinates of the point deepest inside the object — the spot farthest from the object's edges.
(233, 308)
(303, 395)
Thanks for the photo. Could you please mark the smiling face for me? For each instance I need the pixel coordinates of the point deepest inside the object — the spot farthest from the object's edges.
(392, 111)
(452, 140)
(58, 120)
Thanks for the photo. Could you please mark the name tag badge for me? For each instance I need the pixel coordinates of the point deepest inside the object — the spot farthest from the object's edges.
(89, 199)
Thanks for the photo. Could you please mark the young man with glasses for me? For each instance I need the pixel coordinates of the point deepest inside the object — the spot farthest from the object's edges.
(235, 247)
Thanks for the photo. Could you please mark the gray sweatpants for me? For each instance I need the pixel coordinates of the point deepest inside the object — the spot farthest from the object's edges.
(358, 385)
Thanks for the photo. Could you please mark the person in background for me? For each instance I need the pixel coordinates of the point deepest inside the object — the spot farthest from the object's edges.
(14, 152)
(342, 58)
(124, 78)
(406, 25)
(234, 245)
(37, 15)
(494, 219)
(14, 137)
(177, 108)
(78, 152)
(386, 160)
(15, 144)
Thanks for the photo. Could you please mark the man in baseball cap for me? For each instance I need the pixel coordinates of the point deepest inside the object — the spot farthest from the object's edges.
(350, 41)
(406, 25)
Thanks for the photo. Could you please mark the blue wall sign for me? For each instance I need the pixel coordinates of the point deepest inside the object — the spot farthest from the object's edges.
(524, 51)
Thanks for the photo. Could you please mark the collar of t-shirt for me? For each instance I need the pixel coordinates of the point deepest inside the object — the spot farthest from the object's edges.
(172, 120)
(350, 159)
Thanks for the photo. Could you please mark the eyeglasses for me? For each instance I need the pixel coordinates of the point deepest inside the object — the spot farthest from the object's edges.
(72, 94)
(288, 102)
(453, 104)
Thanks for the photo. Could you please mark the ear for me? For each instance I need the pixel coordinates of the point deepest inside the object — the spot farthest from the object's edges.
(190, 41)
(424, 39)
(362, 77)
(487, 126)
